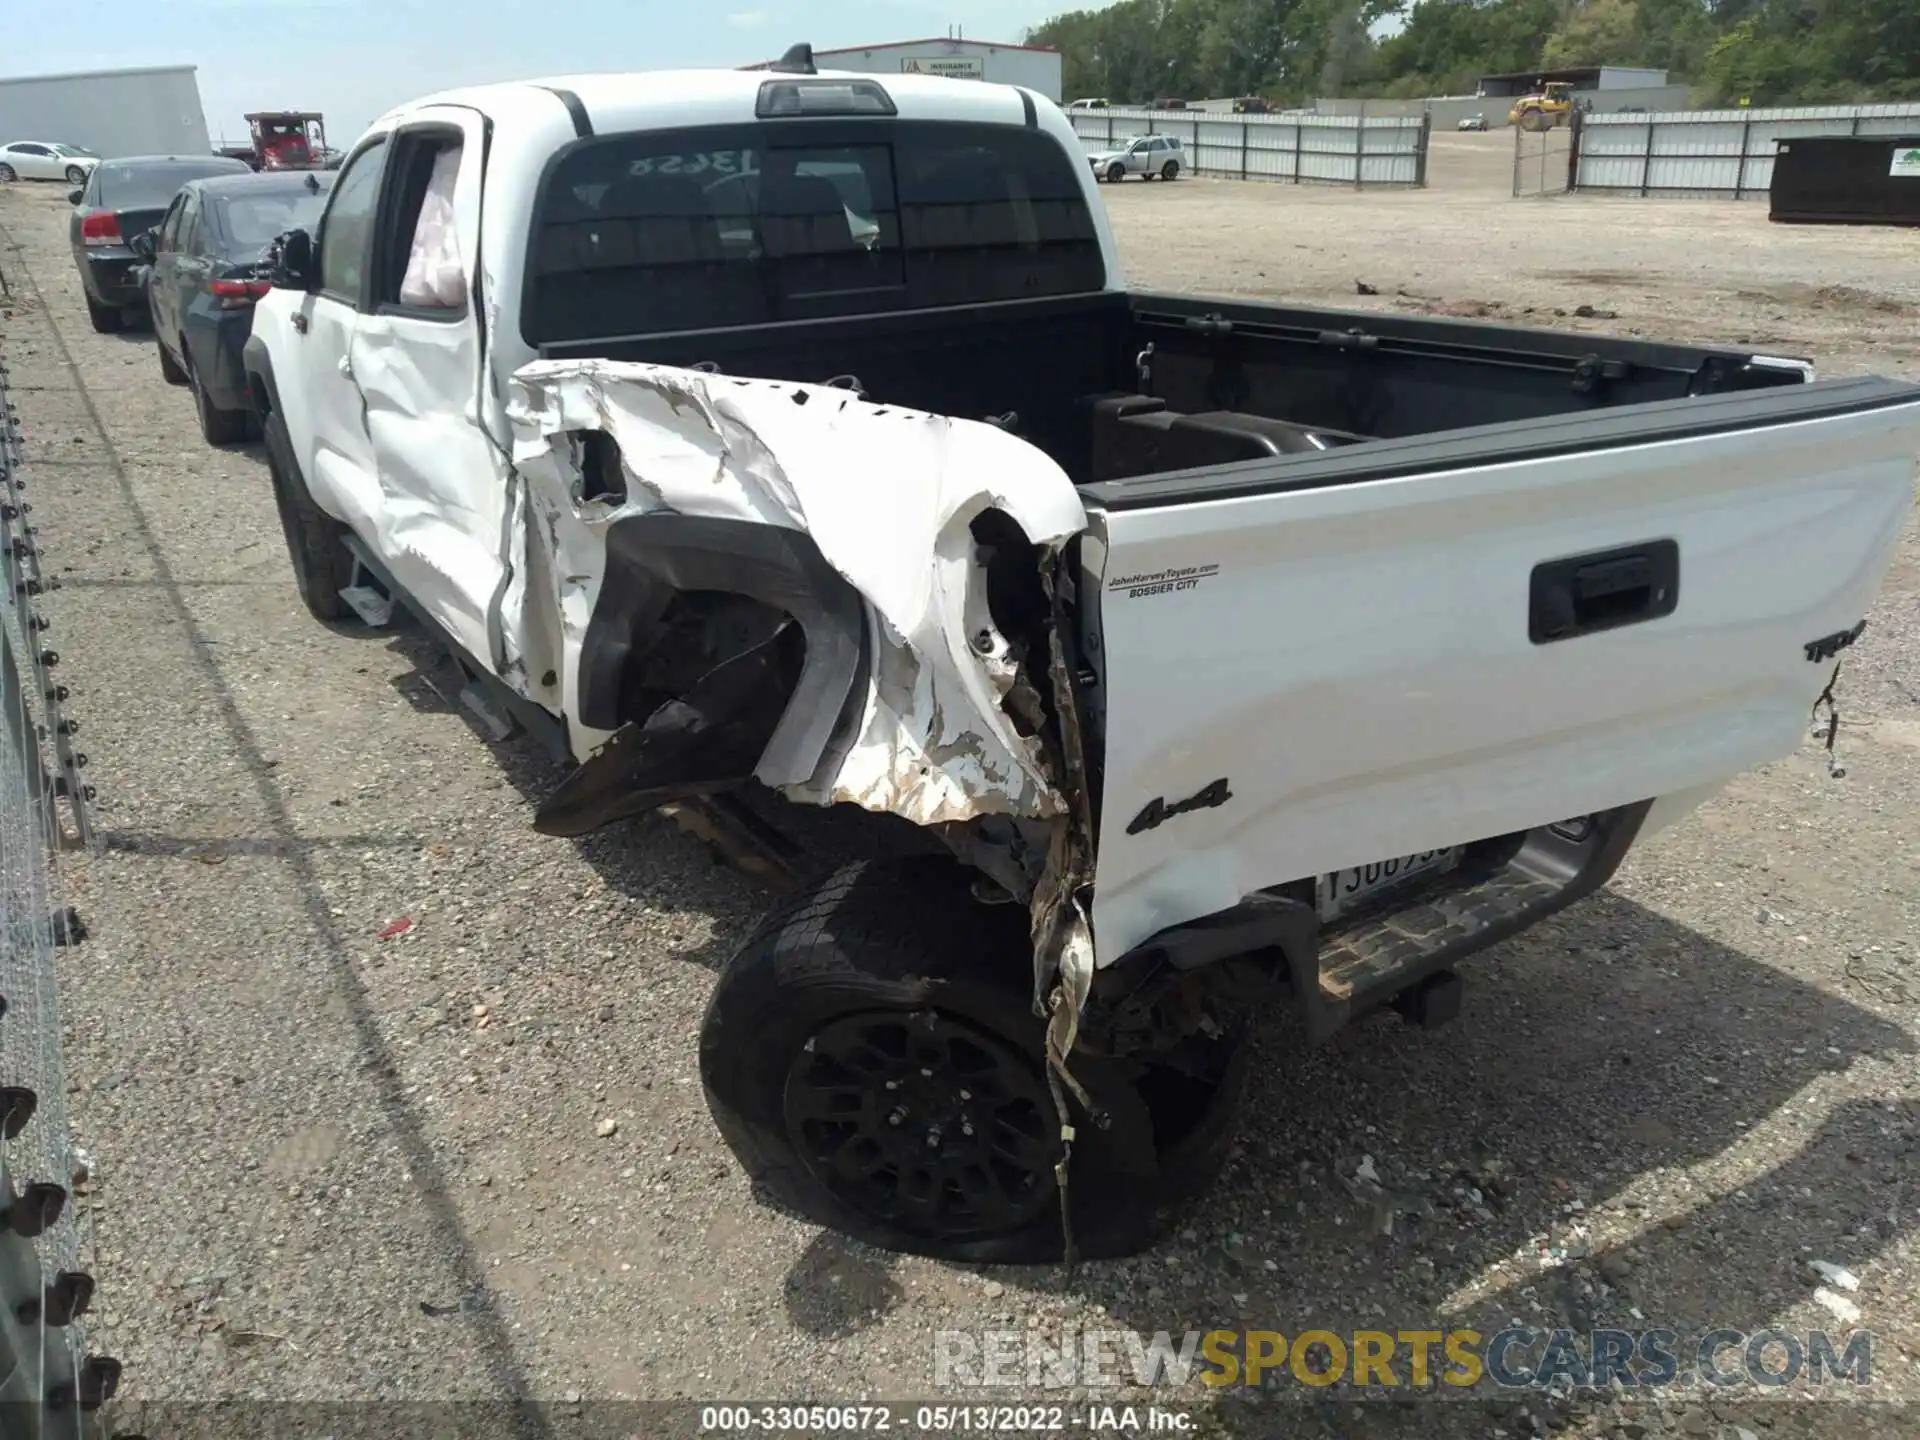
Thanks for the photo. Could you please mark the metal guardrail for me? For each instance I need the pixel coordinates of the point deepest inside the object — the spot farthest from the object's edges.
(1360, 151)
(49, 1385)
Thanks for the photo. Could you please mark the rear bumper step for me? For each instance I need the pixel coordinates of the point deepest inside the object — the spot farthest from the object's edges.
(1502, 887)
(1385, 954)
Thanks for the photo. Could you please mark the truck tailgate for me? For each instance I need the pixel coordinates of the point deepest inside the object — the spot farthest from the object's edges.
(1329, 661)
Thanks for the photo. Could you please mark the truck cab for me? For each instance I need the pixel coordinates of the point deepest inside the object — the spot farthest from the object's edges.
(287, 139)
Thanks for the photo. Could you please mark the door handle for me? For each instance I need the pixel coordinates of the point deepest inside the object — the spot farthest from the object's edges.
(1603, 590)
(299, 324)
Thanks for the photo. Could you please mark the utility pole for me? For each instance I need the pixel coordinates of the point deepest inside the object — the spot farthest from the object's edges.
(1345, 32)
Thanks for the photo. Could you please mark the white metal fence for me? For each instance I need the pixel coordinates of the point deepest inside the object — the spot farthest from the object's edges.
(1713, 153)
(1361, 151)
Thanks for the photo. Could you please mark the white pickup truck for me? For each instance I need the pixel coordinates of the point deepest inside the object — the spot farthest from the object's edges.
(785, 434)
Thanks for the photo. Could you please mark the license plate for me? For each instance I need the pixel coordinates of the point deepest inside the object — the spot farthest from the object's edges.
(1344, 889)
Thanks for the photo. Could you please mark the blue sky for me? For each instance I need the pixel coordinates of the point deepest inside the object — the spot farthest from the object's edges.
(351, 59)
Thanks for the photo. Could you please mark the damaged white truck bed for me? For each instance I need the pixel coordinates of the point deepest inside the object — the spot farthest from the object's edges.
(887, 495)
(790, 434)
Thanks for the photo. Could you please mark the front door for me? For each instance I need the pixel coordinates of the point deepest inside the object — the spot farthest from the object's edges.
(185, 274)
(160, 283)
(35, 162)
(416, 354)
(191, 266)
(328, 430)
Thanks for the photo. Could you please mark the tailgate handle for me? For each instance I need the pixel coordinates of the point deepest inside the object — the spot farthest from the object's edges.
(1603, 590)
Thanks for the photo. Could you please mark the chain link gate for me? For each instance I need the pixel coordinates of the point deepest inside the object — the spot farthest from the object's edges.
(1543, 160)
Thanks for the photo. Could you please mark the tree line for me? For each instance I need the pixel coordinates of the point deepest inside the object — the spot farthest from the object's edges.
(1766, 52)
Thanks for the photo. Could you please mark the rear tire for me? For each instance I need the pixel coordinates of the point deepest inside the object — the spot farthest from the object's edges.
(1170, 170)
(107, 319)
(316, 542)
(218, 426)
(863, 1025)
(169, 370)
(8, 175)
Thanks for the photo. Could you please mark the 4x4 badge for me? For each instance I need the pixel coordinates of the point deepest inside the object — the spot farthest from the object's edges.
(1158, 811)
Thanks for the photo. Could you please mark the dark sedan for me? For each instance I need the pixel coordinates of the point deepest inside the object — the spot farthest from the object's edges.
(122, 199)
(207, 265)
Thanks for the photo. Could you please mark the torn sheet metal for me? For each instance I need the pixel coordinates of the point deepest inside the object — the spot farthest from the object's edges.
(886, 494)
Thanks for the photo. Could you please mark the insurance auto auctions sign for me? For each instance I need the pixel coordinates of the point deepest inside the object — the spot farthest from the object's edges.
(954, 67)
(1906, 162)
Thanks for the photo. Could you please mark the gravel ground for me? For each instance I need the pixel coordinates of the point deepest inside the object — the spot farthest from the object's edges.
(334, 1166)
(1712, 271)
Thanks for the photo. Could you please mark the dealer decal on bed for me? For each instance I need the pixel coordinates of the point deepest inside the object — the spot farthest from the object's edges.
(700, 162)
(1161, 582)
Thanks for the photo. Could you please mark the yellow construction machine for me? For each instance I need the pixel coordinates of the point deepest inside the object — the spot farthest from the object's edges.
(1547, 105)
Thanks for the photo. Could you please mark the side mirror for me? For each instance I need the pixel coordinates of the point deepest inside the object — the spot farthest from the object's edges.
(73, 196)
(290, 261)
(142, 245)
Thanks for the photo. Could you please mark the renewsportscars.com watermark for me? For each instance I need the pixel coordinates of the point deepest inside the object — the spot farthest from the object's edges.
(1519, 1357)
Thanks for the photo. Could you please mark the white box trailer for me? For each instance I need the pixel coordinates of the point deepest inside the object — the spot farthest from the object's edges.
(154, 110)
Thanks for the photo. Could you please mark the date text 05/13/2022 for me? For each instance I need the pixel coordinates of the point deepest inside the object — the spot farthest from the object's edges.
(930, 1420)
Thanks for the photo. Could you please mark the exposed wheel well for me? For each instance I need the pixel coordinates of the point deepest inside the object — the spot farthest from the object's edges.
(260, 393)
(721, 650)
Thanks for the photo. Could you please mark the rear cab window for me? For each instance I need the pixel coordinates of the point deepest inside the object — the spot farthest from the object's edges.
(659, 231)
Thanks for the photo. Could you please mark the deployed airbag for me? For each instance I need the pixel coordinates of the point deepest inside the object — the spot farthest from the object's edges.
(434, 278)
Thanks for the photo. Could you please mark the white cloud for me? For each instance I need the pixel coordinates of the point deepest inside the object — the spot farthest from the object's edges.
(748, 19)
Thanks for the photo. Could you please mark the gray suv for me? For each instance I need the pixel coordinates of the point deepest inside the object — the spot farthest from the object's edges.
(1145, 156)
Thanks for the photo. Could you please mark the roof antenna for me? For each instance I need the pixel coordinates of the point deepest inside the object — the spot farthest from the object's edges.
(797, 61)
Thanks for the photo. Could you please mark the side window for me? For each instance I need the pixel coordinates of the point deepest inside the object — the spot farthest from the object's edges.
(187, 231)
(167, 237)
(346, 230)
(39, 150)
(419, 267)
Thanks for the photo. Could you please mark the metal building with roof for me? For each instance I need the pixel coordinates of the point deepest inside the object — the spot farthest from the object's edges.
(1580, 77)
(1034, 66)
(153, 110)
